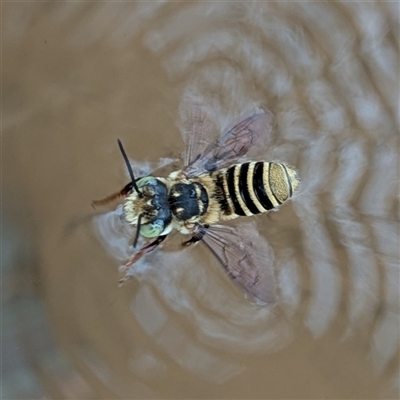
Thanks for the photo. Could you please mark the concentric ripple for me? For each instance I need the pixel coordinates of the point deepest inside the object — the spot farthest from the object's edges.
(328, 71)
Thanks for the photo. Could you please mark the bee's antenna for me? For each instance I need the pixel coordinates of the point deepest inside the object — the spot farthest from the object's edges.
(128, 165)
(137, 230)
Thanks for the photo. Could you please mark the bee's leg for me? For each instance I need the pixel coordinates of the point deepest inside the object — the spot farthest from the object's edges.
(137, 256)
(144, 250)
(122, 193)
(197, 235)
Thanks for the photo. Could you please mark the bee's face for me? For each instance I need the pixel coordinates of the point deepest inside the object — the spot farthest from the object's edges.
(152, 205)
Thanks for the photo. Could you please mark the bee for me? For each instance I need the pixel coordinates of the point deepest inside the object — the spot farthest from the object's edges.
(220, 181)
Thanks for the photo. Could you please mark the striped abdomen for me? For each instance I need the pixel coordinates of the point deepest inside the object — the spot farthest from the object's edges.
(255, 187)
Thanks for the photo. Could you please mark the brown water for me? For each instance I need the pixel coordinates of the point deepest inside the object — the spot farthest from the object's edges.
(78, 75)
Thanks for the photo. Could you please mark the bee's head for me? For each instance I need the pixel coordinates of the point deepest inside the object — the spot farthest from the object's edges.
(140, 202)
(148, 208)
(146, 204)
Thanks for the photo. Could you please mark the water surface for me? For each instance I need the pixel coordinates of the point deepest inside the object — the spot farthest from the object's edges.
(76, 76)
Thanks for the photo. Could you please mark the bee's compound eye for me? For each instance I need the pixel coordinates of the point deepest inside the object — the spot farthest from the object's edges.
(192, 194)
(152, 229)
(145, 181)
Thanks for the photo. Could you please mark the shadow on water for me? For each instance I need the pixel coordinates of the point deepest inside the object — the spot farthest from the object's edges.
(77, 76)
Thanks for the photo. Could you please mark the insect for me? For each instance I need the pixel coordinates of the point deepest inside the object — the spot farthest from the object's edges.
(220, 181)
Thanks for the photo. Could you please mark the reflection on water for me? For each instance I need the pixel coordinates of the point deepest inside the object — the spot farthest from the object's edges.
(78, 75)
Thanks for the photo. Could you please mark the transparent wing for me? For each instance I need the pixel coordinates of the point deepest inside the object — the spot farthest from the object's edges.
(199, 130)
(249, 138)
(247, 258)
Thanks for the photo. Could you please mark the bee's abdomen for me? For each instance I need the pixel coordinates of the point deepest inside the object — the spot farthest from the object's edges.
(256, 187)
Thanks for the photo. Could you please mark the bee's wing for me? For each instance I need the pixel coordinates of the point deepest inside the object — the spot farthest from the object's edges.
(247, 258)
(248, 138)
(199, 131)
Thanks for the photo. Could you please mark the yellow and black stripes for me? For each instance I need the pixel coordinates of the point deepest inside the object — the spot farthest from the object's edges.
(255, 187)
(233, 178)
(261, 186)
(245, 189)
